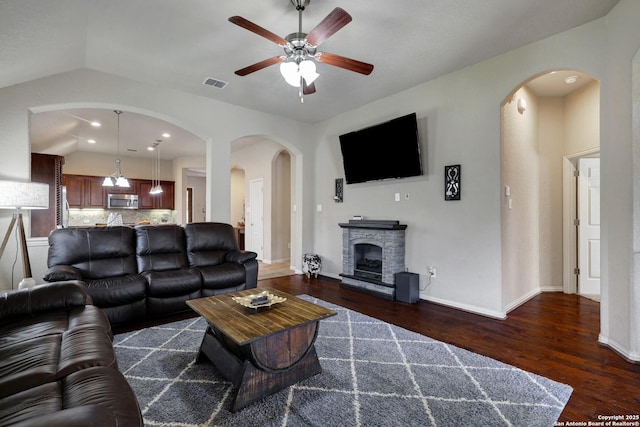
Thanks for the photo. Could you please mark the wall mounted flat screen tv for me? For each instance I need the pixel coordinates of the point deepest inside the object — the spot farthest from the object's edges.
(387, 150)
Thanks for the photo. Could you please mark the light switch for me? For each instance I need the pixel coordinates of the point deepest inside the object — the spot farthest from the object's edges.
(507, 190)
(319, 208)
(397, 197)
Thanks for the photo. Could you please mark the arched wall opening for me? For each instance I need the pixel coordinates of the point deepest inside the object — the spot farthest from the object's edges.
(276, 166)
(544, 130)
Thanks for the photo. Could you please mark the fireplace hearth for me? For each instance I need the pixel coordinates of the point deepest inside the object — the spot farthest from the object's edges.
(372, 252)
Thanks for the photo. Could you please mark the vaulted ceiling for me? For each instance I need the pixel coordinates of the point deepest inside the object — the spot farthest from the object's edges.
(179, 43)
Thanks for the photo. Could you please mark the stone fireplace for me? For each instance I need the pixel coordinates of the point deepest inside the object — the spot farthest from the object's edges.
(372, 253)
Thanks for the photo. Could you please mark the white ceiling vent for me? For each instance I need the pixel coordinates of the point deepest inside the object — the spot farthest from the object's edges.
(210, 81)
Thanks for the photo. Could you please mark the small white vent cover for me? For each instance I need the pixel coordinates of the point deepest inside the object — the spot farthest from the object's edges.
(210, 81)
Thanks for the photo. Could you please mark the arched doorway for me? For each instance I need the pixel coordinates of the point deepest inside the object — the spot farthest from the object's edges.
(548, 123)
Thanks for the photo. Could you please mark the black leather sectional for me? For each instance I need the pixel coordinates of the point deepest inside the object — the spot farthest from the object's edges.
(150, 271)
(57, 362)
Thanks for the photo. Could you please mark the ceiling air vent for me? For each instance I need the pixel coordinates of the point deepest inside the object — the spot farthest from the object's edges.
(210, 81)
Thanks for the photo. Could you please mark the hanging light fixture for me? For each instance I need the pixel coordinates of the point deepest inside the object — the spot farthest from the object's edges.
(116, 179)
(293, 72)
(156, 188)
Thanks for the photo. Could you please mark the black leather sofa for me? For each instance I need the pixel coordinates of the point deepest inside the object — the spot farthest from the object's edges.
(57, 362)
(150, 271)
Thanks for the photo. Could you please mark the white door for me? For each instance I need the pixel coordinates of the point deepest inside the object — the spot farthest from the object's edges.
(255, 215)
(589, 226)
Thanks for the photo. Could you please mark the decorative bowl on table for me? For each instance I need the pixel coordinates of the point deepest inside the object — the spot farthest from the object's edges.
(259, 300)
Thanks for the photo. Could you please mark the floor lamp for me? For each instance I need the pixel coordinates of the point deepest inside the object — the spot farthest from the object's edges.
(22, 196)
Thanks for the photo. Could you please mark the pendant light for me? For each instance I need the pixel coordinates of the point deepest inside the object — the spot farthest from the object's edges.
(156, 188)
(116, 179)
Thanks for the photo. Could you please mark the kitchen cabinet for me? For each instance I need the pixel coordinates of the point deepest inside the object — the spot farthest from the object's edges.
(47, 169)
(85, 191)
(164, 200)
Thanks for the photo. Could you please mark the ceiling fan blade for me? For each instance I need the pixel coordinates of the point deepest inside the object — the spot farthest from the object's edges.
(343, 62)
(255, 28)
(308, 89)
(259, 65)
(334, 21)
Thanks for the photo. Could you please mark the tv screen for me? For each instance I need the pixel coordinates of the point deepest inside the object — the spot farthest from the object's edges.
(387, 150)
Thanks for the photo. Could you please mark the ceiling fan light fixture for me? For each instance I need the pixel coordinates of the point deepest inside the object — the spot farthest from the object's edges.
(289, 71)
(292, 72)
(308, 71)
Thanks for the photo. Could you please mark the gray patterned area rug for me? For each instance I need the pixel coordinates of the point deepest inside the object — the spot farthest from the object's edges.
(374, 374)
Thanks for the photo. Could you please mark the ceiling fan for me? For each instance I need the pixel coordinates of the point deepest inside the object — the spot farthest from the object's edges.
(297, 64)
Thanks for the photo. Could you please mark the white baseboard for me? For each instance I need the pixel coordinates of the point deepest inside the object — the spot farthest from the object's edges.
(624, 352)
(517, 303)
(469, 308)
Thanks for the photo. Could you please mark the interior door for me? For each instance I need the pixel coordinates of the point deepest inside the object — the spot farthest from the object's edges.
(589, 226)
(256, 218)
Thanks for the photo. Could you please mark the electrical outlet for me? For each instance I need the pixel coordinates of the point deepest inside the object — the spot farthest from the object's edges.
(432, 272)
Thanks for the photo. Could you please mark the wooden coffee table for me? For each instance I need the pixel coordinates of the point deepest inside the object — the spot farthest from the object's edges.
(260, 351)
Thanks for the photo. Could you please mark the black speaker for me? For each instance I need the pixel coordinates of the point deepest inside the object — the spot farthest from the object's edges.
(407, 287)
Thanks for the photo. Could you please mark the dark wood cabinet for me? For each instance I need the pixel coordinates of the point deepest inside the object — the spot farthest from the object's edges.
(164, 200)
(47, 169)
(87, 192)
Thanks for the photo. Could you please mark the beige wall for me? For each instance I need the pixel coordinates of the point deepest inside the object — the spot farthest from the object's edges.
(582, 123)
(94, 164)
(237, 196)
(263, 160)
(198, 185)
(534, 144)
(281, 217)
(520, 218)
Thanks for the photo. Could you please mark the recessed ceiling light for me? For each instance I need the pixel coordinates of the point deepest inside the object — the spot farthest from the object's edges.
(570, 79)
(150, 148)
(96, 124)
(91, 141)
(166, 135)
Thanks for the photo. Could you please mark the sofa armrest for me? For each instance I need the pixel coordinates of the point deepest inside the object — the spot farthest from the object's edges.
(40, 298)
(240, 257)
(58, 273)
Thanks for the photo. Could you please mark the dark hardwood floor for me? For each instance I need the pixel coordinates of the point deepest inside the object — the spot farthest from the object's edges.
(554, 335)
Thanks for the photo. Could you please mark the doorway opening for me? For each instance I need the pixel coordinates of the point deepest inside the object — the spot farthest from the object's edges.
(548, 124)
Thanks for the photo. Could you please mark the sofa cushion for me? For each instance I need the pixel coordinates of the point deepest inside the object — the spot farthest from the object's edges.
(30, 403)
(115, 291)
(172, 282)
(160, 247)
(98, 396)
(209, 242)
(29, 363)
(222, 276)
(97, 252)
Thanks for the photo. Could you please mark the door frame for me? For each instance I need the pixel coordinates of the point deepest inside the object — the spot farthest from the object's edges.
(569, 214)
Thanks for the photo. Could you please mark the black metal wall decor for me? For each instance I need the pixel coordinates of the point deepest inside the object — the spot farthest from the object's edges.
(452, 182)
(339, 190)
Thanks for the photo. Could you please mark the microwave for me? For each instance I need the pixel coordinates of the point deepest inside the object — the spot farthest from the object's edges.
(122, 201)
